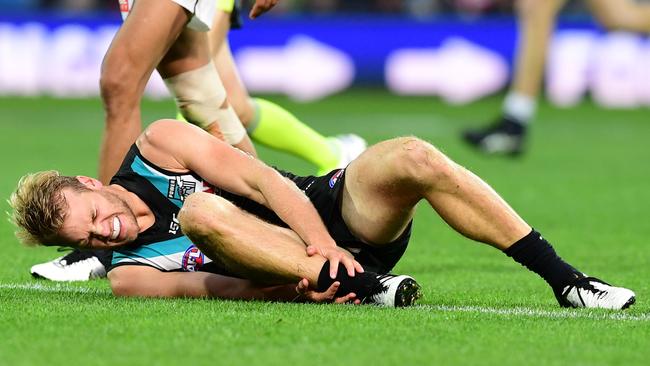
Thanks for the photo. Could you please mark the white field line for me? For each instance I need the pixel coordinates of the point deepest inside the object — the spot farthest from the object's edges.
(536, 313)
(512, 312)
(56, 287)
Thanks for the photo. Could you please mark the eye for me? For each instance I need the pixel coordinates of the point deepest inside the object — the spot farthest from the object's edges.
(94, 214)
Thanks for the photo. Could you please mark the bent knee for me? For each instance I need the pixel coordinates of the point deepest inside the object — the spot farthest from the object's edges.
(202, 213)
(114, 76)
(420, 161)
(118, 95)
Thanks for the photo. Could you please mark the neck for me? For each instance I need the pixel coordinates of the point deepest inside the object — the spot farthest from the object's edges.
(143, 214)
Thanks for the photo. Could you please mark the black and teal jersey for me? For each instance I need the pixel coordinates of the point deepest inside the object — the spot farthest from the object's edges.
(163, 245)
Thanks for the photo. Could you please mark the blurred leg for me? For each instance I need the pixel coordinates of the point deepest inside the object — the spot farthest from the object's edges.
(628, 15)
(507, 136)
(536, 24)
(268, 123)
(138, 46)
(191, 52)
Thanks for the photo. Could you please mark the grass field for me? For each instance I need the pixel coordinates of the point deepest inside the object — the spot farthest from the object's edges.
(584, 185)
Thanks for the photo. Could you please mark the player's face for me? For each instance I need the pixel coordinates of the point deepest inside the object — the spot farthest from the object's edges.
(97, 219)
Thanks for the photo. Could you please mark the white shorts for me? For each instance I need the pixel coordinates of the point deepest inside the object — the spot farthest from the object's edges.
(202, 12)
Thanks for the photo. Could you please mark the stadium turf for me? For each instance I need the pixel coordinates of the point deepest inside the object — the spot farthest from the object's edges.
(584, 185)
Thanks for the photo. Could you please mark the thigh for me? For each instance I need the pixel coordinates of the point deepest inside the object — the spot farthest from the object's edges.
(377, 203)
(188, 52)
(146, 35)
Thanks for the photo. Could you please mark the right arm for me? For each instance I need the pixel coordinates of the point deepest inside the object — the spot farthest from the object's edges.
(182, 147)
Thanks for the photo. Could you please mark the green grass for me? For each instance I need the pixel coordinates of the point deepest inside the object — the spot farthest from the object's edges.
(584, 185)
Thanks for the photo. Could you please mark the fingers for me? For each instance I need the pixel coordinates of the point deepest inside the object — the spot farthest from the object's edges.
(331, 291)
(327, 296)
(260, 7)
(255, 12)
(303, 286)
(336, 256)
(351, 265)
(334, 266)
(358, 267)
(349, 298)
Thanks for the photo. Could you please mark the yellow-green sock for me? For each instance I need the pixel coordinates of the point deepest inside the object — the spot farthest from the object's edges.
(275, 127)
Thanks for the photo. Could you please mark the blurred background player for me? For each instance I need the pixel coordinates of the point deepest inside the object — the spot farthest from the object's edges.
(536, 23)
(171, 37)
(266, 122)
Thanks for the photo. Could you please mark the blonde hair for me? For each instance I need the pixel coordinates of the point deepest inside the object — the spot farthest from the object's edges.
(39, 207)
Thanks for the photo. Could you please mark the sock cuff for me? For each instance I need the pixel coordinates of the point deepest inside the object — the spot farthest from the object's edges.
(324, 279)
(521, 244)
(520, 107)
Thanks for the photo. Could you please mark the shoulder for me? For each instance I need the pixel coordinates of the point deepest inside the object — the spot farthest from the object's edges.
(164, 140)
(165, 130)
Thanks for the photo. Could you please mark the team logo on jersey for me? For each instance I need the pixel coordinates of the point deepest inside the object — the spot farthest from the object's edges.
(183, 187)
(193, 259)
(335, 177)
(175, 225)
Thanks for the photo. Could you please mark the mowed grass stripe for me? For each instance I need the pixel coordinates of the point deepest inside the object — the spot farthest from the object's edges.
(51, 287)
(507, 312)
(537, 313)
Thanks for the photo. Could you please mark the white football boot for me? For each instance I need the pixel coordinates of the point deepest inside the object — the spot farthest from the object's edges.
(590, 292)
(75, 266)
(351, 146)
(394, 291)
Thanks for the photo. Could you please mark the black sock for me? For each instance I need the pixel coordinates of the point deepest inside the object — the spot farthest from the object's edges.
(361, 284)
(513, 125)
(536, 254)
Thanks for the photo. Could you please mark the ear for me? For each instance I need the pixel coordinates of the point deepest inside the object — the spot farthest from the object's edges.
(89, 182)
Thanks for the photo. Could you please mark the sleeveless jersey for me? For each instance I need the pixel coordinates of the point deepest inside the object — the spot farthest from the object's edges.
(163, 245)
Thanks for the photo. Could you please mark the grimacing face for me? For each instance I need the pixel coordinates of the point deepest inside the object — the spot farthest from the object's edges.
(97, 219)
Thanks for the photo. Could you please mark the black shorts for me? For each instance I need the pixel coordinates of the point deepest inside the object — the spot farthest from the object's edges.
(325, 193)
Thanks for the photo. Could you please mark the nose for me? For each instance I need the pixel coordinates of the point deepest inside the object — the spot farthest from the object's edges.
(102, 230)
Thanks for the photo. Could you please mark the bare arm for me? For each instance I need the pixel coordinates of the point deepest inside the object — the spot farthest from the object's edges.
(227, 168)
(144, 281)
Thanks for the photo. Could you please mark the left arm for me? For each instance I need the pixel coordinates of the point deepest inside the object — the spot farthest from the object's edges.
(225, 167)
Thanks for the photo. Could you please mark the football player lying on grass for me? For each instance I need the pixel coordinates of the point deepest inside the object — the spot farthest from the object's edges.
(193, 203)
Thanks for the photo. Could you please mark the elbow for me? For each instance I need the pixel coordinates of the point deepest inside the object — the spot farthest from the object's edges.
(120, 286)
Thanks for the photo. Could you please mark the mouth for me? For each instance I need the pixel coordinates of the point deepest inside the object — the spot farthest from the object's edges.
(117, 225)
